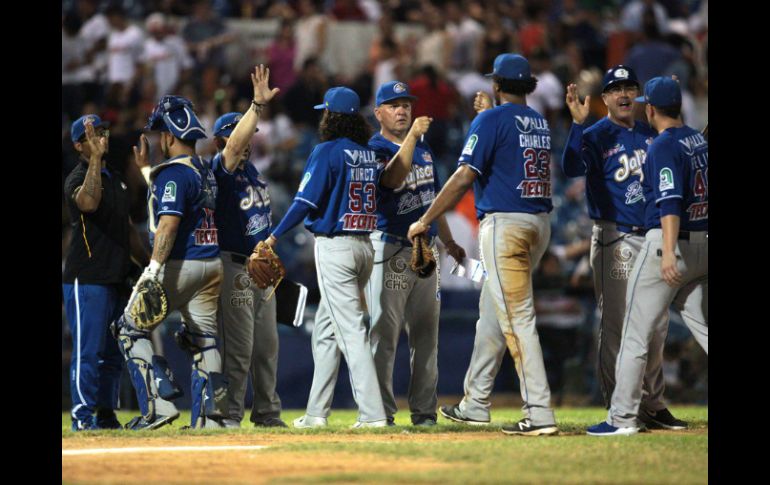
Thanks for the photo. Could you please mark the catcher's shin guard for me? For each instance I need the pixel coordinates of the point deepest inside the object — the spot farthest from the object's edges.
(209, 392)
(209, 388)
(150, 380)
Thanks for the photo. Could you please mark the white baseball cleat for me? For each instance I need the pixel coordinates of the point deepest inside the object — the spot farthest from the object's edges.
(371, 424)
(310, 422)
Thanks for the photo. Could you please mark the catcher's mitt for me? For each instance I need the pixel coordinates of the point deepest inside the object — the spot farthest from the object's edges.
(422, 262)
(148, 305)
(264, 266)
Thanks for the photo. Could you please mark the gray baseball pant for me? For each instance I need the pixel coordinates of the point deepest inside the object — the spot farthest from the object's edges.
(511, 245)
(249, 337)
(343, 266)
(399, 299)
(192, 287)
(612, 258)
(647, 305)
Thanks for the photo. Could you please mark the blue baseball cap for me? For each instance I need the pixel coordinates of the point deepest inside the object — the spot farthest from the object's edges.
(225, 124)
(78, 128)
(175, 114)
(619, 73)
(340, 100)
(511, 66)
(393, 90)
(661, 91)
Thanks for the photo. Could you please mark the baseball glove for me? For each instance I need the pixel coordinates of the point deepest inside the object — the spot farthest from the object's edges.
(264, 266)
(148, 305)
(422, 262)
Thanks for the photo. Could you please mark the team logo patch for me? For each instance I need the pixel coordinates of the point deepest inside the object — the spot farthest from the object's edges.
(399, 88)
(242, 294)
(634, 193)
(666, 179)
(88, 119)
(397, 265)
(621, 73)
(257, 223)
(649, 140)
(524, 124)
(470, 145)
(426, 156)
(169, 192)
(304, 181)
(357, 157)
(622, 262)
(241, 282)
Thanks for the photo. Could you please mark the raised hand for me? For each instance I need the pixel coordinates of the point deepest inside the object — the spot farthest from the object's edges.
(420, 126)
(97, 144)
(262, 92)
(579, 111)
(141, 152)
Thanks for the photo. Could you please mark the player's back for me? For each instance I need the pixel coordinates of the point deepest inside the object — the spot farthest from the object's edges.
(677, 167)
(509, 147)
(340, 183)
(180, 190)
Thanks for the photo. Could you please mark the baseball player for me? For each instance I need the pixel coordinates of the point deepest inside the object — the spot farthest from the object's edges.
(243, 218)
(185, 259)
(397, 298)
(96, 266)
(507, 160)
(610, 155)
(672, 266)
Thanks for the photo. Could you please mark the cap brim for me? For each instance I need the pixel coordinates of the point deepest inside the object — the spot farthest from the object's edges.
(640, 99)
(319, 106)
(406, 96)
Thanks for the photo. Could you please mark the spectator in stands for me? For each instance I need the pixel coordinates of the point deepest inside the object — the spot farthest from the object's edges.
(435, 46)
(165, 57)
(299, 100)
(347, 10)
(651, 55)
(281, 55)
(93, 34)
(206, 35)
(436, 98)
(124, 46)
(309, 34)
(548, 97)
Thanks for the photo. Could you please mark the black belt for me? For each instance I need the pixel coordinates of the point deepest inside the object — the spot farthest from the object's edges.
(237, 258)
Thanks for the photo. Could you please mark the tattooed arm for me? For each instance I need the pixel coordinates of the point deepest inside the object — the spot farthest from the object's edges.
(165, 236)
(89, 195)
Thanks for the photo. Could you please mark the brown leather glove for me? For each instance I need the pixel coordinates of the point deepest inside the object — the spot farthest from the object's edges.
(423, 263)
(264, 266)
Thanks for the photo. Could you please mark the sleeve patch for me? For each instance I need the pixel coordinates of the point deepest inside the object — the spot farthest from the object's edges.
(470, 145)
(666, 179)
(169, 192)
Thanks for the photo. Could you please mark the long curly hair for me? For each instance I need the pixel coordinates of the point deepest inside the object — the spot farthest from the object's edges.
(340, 125)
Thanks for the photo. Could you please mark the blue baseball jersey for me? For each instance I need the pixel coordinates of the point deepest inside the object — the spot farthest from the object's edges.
(340, 185)
(677, 168)
(190, 194)
(398, 208)
(611, 157)
(243, 215)
(509, 147)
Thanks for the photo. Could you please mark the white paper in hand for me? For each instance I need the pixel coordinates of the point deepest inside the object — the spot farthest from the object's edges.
(471, 269)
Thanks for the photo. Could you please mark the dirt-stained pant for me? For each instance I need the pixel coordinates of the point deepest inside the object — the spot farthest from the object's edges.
(511, 245)
(647, 304)
(192, 287)
(249, 337)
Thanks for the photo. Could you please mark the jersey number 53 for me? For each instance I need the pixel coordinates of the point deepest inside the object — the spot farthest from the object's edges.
(362, 196)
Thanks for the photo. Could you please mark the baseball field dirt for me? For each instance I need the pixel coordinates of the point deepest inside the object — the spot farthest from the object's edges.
(447, 453)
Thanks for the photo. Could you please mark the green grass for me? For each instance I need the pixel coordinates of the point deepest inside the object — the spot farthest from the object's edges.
(570, 457)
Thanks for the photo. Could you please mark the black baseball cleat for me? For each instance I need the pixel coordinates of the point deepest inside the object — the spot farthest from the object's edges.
(270, 423)
(140, 422)
(453, 413)
(662, 419)
(424, 420)
(525, 428)
(106, 419)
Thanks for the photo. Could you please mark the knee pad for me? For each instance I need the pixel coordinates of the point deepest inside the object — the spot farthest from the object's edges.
(194, 343)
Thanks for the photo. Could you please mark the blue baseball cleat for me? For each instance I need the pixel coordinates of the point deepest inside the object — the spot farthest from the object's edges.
(606, 429)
